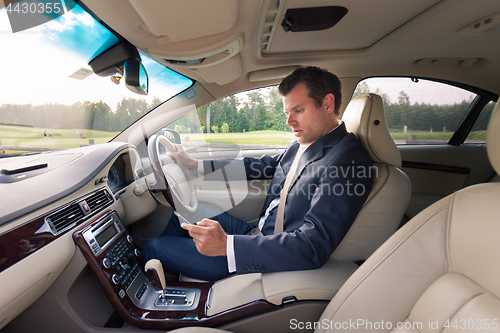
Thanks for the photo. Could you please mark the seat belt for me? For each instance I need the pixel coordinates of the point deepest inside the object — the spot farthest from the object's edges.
(278, 224)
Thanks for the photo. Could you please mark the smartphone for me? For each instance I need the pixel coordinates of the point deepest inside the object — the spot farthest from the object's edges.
(182, 218)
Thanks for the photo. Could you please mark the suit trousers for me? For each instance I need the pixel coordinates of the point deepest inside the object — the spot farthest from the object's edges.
(177, 252)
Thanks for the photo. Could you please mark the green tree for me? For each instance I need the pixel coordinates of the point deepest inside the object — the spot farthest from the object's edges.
(99, 116)
(404, 102)
(154, 103)
(361, 88)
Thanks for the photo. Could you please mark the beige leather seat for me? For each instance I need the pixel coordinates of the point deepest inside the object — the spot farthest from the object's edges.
(384, 208)
(440, 269)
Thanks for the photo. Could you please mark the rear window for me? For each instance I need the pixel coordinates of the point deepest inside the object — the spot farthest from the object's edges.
(419, 111)
(478, 131)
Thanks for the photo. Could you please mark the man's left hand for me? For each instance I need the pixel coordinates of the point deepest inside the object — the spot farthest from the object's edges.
(209, 237)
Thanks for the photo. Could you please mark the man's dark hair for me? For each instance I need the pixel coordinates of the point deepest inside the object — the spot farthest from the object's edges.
(319, 82)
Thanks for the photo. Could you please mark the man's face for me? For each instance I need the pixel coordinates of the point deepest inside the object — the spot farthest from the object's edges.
(308, 122)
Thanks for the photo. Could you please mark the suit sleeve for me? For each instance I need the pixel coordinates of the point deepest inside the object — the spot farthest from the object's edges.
(328, 218)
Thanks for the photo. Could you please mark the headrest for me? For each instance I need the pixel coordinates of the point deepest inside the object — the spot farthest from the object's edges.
(493, 138)
(364, 116)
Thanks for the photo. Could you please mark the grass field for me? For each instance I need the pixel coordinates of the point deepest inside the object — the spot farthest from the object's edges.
(281, 139)
(427, 135)
(56, 138)
(274, 138)
(66, 138)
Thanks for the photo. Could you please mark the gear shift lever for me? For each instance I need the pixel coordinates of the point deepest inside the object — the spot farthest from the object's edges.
(170, 298)
(155, 274)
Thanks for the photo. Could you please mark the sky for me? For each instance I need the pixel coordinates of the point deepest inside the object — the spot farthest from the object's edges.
(36, 68)
(424, 91)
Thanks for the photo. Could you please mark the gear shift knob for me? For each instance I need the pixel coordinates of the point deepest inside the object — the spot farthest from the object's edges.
(155, 274)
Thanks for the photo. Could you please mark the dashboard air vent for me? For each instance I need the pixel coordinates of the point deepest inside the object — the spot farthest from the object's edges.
(76, 211)
(64, 218)
(98, 200)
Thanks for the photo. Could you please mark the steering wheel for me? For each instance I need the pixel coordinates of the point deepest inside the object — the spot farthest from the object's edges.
(172, 177)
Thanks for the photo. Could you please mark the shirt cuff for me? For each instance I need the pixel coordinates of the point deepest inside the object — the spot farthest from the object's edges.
(231, 260)
(200, 168)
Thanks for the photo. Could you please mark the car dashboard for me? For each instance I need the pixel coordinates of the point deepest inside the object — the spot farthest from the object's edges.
(50, 195)
(65, 231)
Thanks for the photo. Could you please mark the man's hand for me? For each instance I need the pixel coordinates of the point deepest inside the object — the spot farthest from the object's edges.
(209, 237)
(182, 157)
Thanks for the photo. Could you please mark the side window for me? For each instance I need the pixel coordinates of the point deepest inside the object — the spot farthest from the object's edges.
(250, 120)
(478, 131)
(419, 111)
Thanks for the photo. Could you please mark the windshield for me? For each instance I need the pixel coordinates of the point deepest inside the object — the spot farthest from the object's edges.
(50, 99)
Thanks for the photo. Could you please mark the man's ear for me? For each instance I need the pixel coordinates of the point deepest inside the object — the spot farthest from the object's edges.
(329, 102)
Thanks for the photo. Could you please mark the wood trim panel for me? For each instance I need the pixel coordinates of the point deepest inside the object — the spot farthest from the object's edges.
(160, 319)
(24, 240)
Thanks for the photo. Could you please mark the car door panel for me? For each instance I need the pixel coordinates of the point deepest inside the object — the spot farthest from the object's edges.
(439, 170)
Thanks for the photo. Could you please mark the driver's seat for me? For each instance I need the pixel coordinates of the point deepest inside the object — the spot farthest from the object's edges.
(385, 206)
(440, 270)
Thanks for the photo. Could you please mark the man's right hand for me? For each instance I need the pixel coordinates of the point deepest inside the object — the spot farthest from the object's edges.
(182, 157)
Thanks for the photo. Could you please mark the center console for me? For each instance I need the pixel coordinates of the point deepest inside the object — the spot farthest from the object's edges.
(116, 262)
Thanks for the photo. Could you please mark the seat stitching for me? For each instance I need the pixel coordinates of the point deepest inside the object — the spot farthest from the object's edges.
(389, 254)
(461, 307)
(448, 233)
(370, 197)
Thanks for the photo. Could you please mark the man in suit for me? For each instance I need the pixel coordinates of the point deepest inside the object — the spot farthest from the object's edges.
(319, 185)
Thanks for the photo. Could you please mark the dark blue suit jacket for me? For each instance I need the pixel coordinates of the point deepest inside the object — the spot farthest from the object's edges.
(333, 180)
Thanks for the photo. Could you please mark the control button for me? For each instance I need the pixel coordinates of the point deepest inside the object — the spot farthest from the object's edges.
(106, 263)
(141, 291)
(125, 266)
(137, 252)
(121, 293)
(130, 239)
(115, 279)
(84, 206)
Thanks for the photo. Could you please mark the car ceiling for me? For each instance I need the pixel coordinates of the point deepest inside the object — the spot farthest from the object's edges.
(375, 38)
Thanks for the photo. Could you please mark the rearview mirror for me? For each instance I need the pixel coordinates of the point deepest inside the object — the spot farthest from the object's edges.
(136, 77)
(122, 58)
